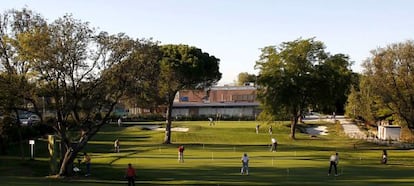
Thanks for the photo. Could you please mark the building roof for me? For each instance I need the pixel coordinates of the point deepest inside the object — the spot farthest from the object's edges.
(390, 126)
(233, 88)
(225, 104)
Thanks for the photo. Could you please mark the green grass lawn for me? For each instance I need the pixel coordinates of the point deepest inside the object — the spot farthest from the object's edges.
(212, 157)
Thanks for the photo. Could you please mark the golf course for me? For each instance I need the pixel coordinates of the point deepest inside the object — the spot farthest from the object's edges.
(213, 154)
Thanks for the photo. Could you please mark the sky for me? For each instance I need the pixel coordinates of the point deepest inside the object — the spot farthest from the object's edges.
(235, 30)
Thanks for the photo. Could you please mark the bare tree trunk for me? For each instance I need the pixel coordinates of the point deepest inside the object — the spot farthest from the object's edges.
(66, 168)
(167, 139)
(294, 122)
(71, 150)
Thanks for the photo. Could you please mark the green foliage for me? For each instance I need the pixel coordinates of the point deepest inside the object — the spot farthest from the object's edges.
(299, 75)
(16, 73)
(334, 79)
(184, 67)
(245, 77)
(386, 87)
(269, 118)
(351, 108)
(80, 75)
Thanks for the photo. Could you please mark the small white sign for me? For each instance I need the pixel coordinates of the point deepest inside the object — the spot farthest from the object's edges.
(31, 142)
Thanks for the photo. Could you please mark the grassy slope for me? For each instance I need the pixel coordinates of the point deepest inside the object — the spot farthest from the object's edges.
(212, 156)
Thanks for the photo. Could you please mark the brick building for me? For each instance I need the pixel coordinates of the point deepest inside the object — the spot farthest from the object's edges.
(219, 94)
(226, 101)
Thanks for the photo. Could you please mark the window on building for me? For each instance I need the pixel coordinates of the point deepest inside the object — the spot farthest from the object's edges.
(184, 99)
(243, 97)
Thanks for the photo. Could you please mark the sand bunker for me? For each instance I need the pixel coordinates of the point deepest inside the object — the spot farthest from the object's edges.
(319, 130)
(177, 129)
(159, 128)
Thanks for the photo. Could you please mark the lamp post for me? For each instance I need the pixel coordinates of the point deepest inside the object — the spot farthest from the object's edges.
(31, 142)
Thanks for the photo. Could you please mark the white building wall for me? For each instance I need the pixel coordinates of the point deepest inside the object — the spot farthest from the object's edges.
(242, 111)
(206, 111)
(389, 133)
(393, 133)
(180, 112)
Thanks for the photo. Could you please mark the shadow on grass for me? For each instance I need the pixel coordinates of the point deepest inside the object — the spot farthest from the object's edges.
(352, 172)
(361, 175)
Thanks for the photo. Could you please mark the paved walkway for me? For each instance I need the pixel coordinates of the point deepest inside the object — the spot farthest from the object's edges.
(351, 129)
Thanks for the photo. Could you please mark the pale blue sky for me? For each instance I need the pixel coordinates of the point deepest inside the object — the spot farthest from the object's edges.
(235, 30)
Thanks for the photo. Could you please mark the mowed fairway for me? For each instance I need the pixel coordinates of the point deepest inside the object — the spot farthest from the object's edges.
(212, 157)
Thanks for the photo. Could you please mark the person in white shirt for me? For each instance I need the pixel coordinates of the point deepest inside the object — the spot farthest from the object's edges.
(274, 145)
(334, 160)
(245, 164)
(119, 122)
(384, 157)
(211, 121)
(116, 145)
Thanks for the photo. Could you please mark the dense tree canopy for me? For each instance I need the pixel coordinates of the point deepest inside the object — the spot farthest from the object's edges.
(387, 84)
(185, 67)
(79, 75)
(15, 70)
(300, 75)
(75, 79)
(334, 79)
(245, 77)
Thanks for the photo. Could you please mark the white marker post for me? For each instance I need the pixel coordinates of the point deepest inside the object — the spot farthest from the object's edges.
(31, 142)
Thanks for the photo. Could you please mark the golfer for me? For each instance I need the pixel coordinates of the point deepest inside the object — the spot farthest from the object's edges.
(245, 164)
(274, 145)
(181, 154)
(334, 160)
(130, 175)
(116, 145)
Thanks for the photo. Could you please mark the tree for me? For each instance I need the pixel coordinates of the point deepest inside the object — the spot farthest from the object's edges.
(354, 99)
(389, 73)
(144, 69)
(184, 67)
(85, 75)
(245, 77)
(66, 72)
(15, 70)
(334, 76)
(290, 78)
(364, 104)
